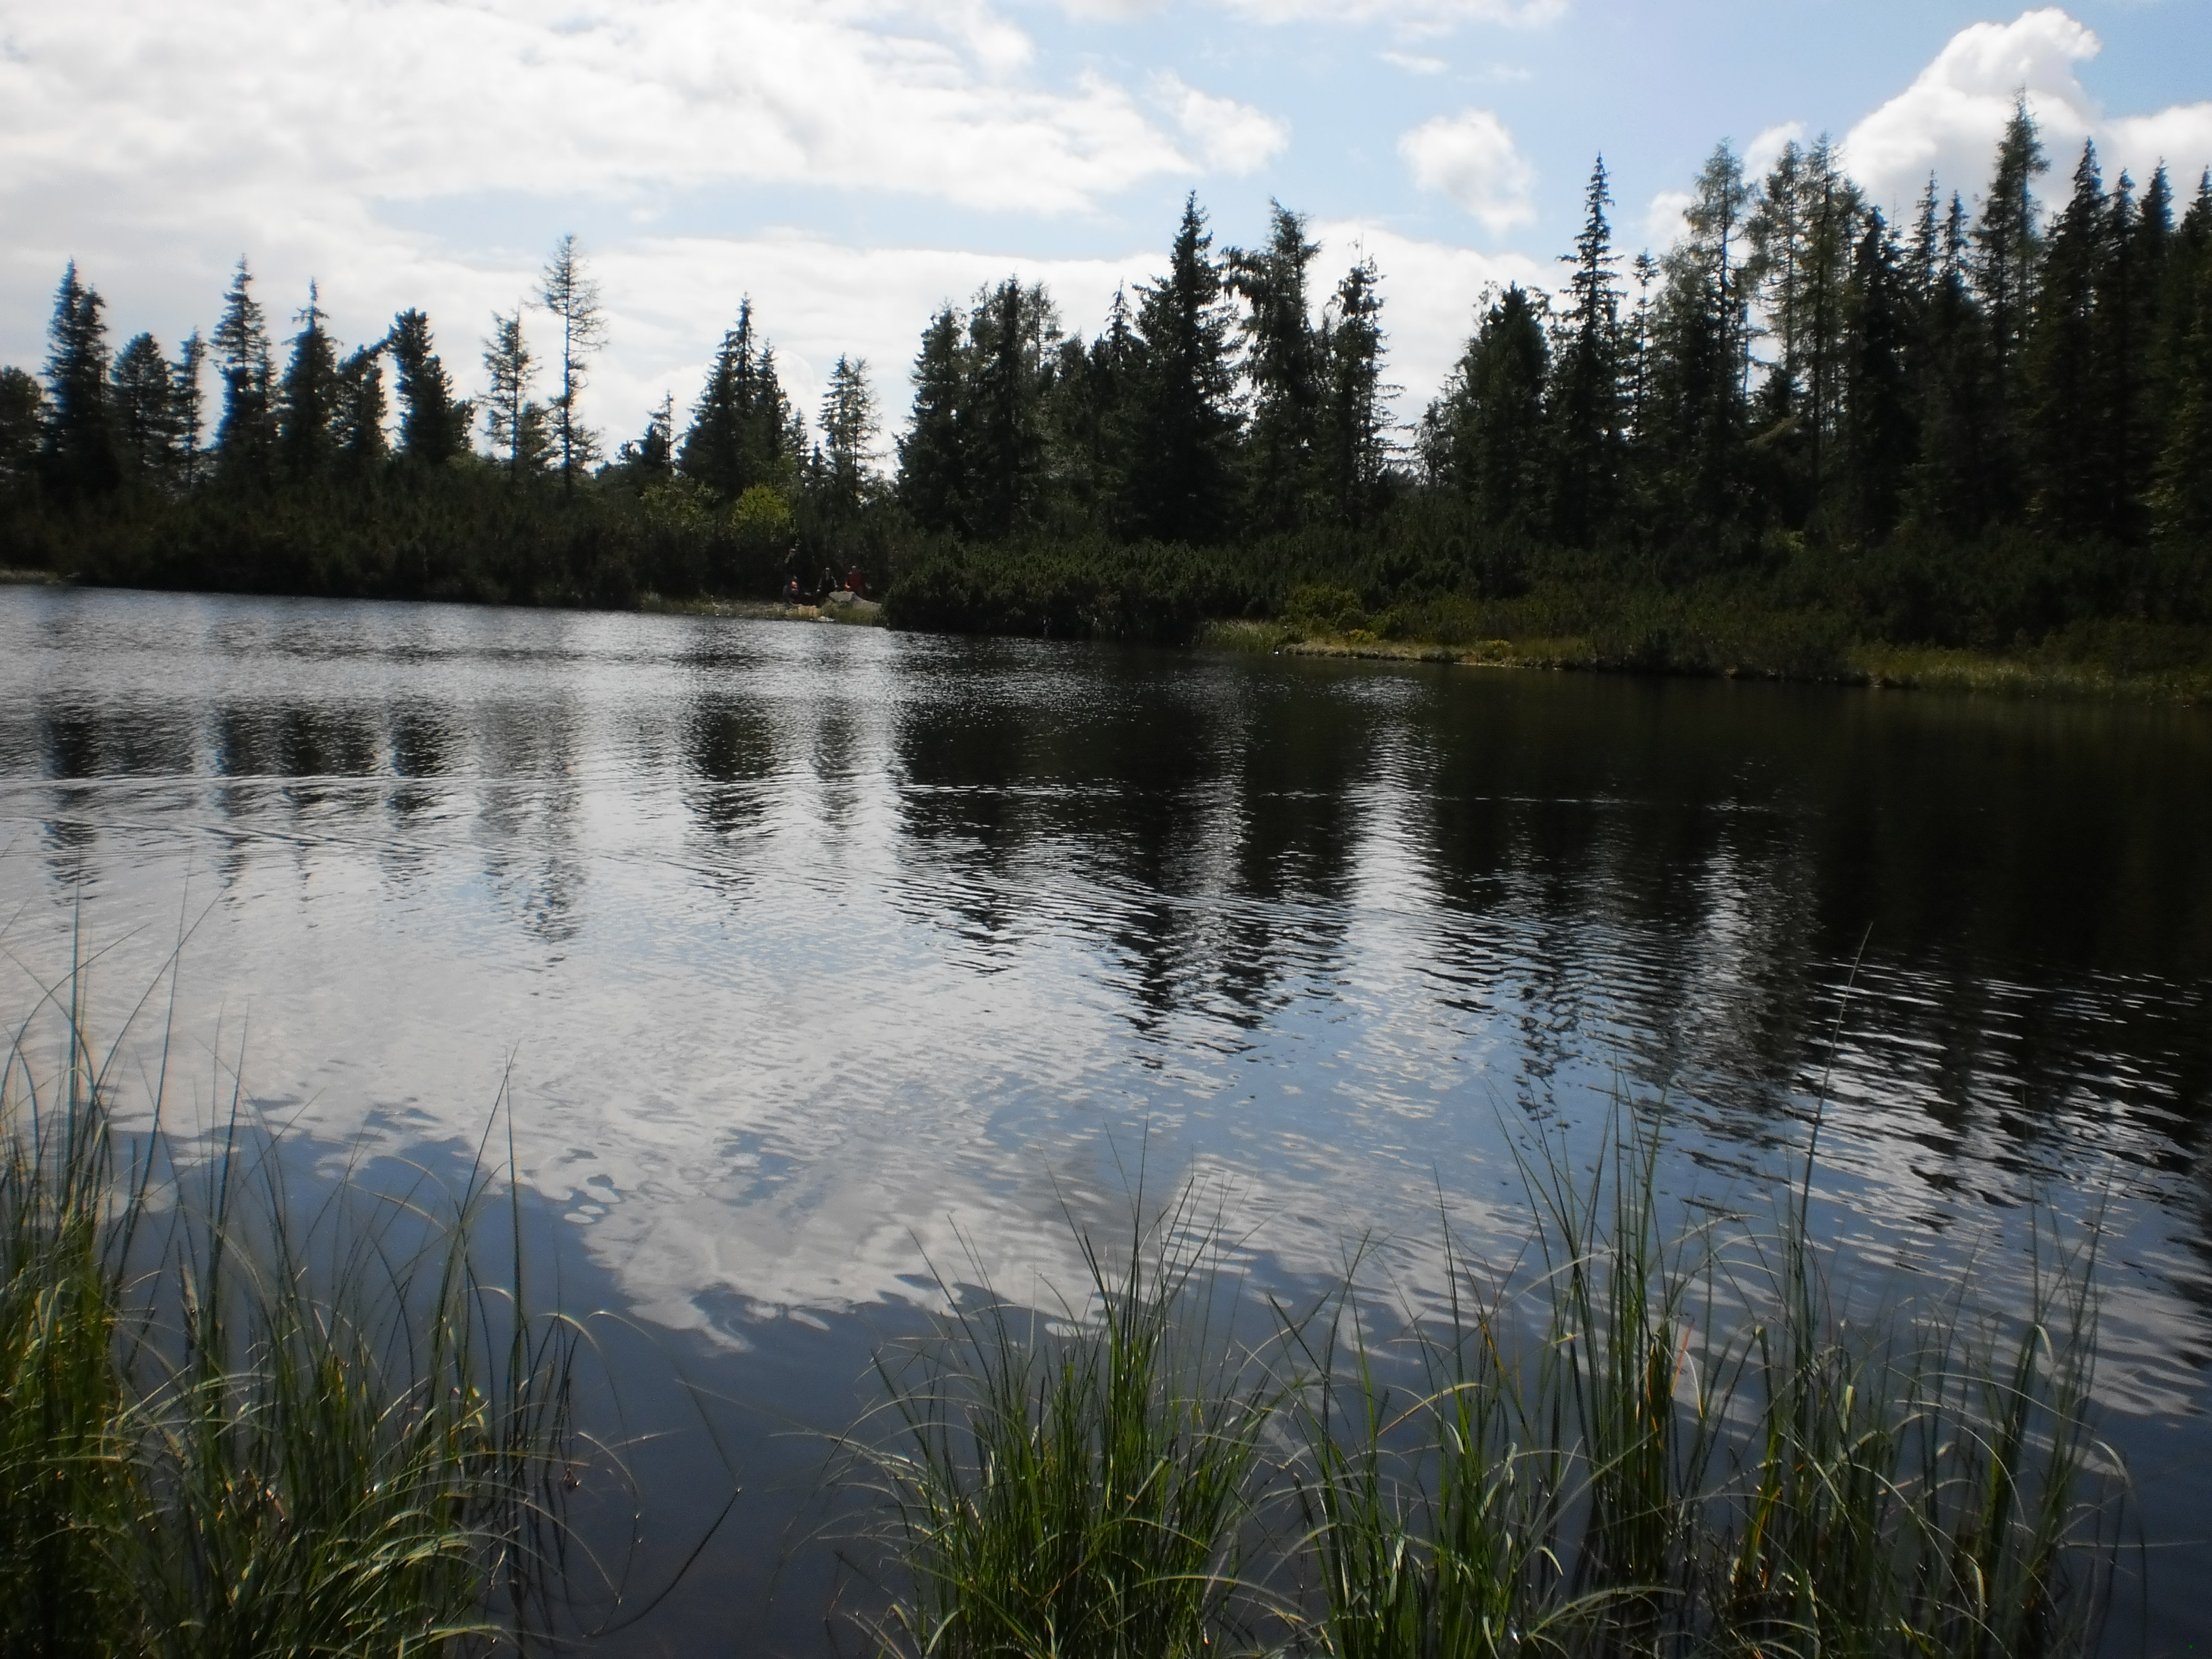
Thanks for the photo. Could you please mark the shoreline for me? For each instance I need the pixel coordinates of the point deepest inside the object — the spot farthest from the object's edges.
(1873, 667)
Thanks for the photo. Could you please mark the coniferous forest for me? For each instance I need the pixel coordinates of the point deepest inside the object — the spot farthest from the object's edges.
(1800, 430)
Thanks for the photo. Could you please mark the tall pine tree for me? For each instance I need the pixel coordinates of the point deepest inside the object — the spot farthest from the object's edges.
(80, 458)
(142, 398)
(246, 440)
(1354, 426)
(1283, 360)
(1484, 435)
(741, 427)
(308, 399)
(433, 424)
(1183, 451)
(1585, 416)
(932, 454)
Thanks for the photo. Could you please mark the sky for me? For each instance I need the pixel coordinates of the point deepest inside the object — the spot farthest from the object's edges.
(853, 164)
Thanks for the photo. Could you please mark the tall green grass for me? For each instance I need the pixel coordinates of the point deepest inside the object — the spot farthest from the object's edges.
(1690, 1443)
(1078, 1484)
(1637, 1439)
(227, 1430)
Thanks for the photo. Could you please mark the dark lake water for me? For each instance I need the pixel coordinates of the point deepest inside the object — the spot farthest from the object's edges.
(812, 954)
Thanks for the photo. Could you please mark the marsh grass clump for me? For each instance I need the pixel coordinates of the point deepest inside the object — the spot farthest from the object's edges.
(1637, 1439)
(1077, 1483)
(1685, 1442)
(228, 1429)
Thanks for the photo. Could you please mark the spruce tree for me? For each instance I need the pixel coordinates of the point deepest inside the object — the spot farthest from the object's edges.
(1692, 423)
(2181, 498)
(188, 407)
(2007, 251)
(649, 456)
(2062, 413)
(1690, 426)
(246, 441)
(1183, 453)
(2130, 302)
(1354, 426)
(1880, 439)
(1089, 414)
(932, 480)
(848, 431)
(1285, 362)
(433, 424)
(514, 423)
(141, 397)
(80, 449)
(1013, 334)
(1950, 484)
(743, 430)
(308, 399)
(1486, 431)
(357, 419)
(567, 291)
(1585, 414)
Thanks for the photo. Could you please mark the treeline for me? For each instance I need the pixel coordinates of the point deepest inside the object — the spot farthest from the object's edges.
(1985, 429)
(1970, 429)
(316, 477)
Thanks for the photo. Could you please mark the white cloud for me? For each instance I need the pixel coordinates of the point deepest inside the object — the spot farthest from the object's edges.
(153, 141)
(1760, 155)
(1414, 64)
(1471, 157)
(1232, 138)
(1430, 292)
(1949, 121)
(1409, 16)
(1666, 222)
(1420, 16)
(814, 298)
(2181, 136)
(415, 98)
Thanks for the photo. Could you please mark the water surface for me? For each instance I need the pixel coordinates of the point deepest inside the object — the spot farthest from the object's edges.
(812, 955)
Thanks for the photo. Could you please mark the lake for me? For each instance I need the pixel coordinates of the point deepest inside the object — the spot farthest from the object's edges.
(817, 959)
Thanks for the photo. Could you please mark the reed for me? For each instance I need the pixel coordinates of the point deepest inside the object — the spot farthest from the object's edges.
(1686, 1441)
(226, 1428)
(1637, 1439)
(1078, 1484)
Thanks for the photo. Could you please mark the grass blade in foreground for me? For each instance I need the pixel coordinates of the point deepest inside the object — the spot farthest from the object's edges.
(1075, 1487)
(224, 1431)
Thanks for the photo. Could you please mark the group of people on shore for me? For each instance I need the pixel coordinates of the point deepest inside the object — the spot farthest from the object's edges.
(855, 583)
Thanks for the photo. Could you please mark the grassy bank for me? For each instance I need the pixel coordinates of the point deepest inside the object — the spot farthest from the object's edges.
(1688, 635)
(226, 1428)
(1634, 1441)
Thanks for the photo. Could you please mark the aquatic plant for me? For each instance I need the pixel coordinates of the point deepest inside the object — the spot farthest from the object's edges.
(227, 1430)
(1076, 1483)
(1637, 1439)
(1658, 1442)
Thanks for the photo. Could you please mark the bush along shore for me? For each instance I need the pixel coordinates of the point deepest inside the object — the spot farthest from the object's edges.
(227, 1429)
(1964, 449)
